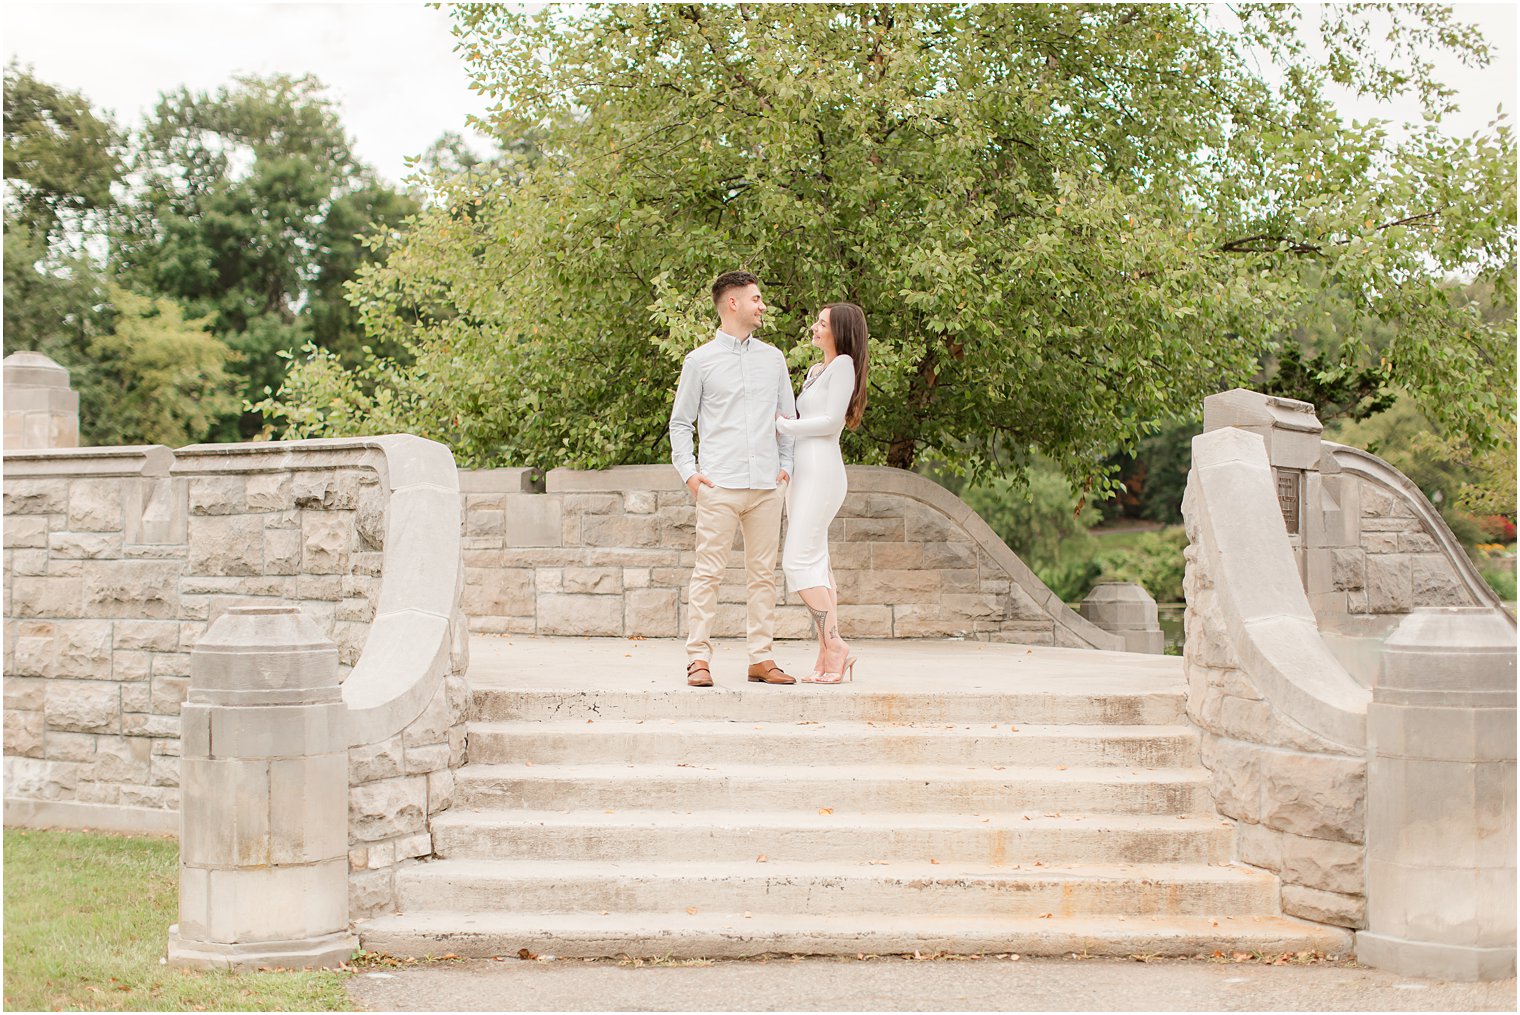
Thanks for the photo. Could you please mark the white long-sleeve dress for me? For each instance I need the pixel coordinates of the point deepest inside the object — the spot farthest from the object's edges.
(818, 479)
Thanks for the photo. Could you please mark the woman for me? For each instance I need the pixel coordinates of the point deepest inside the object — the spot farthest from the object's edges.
(832, 397)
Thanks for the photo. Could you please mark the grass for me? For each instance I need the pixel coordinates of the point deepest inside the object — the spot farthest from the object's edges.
(87, 918)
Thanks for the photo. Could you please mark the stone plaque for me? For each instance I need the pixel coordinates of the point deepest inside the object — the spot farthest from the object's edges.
(1289, 483)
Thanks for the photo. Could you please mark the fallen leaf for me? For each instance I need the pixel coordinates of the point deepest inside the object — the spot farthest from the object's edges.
(748, 915)
(825, 810)
(878, 863)
(1046, 916)
(528, 763)
(761, 858)
(932, 860)
(1060, 768)
(604, 912)
(691, 910)
(590, 720)
(1026, 817)
(526, 955)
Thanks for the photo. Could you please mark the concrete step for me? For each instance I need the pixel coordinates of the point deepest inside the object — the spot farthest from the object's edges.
(814, 888)
(725, 934)
(902, 788)
(997, 839)
(1115, 701)
(700, 742)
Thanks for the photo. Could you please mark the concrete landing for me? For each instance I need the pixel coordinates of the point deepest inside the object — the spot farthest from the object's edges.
(904, 666)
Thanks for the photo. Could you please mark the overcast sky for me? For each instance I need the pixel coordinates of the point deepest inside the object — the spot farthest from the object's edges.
(392, 68)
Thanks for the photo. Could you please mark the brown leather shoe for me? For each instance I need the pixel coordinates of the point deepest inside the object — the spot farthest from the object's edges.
(767, 672)
(697, 673)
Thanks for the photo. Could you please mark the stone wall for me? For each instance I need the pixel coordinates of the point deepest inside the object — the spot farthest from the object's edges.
(1303, 556)
(117, 559)
(610, 553)
(1278, 714)
(1377, 550)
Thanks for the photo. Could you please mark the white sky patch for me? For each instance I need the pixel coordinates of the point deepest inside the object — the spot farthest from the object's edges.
(398, 84)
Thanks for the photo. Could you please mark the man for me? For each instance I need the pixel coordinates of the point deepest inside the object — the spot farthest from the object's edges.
(731, 390)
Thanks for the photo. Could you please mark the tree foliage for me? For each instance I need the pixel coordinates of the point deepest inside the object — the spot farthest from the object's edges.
(1067, 223)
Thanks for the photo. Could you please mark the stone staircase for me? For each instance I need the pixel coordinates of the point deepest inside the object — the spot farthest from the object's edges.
(965, 797)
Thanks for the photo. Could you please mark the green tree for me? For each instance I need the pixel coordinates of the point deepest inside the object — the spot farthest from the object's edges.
(61, 157)
(1067, 223)
(162, 378)
(244, 205)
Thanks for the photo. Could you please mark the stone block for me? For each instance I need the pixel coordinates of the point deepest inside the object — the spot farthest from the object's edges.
(168, 692)
(909, 621)
(1322, 864)
(480, 522)
(62, 746)
(640, 502)
(226, 545)
(1434, 583)
(1236, 778)
(889, 556)
(1259, 845)
(218, 495)
(590, 503)
(84, 545)
(371, 893)
(138, 724)
(865, 621)
(331, 490)
(36, 497)
(83, 706)
(875, 530)
(119, 759)
(319, 587)
(132, 589)
(22, 531)
(596, 580)
(82, 649)
(148, 635)
(326, 540)
(160, 797)
(1347, 570)
(580, 615)
(1314, 795)
(508, 592)
(27, 562)
(433, 725)
(949, 555)
(46, 597)
(387, 809)
(1324, 907)
(1376, 501)
(307, 797)
(650, 613)
(1380, 542)
(269, 491)
(136, 696)
(25, 693)
(282, 551)
(374, 762)
(923, 524)
(1389, 584)
(23, 732)
(95, 505)
(620, 530)
(427, 758)
(1417, 542)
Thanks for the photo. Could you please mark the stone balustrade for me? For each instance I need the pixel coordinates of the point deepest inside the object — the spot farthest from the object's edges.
(609, 553)
(117, 559)
(1275, 519)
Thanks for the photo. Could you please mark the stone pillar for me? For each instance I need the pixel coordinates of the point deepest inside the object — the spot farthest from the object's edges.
(264, 798)
(40, 410)
(1126, 609)
(1441, 799)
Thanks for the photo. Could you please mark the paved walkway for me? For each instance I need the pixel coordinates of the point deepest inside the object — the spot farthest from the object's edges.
(895, 984)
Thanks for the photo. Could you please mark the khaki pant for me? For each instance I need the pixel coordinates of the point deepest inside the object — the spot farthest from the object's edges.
(719, 512)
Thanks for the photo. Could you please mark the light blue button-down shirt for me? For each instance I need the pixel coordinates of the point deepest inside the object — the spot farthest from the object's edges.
(731, 390)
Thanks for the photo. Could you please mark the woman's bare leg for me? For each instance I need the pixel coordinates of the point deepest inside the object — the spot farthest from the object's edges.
(822, 603)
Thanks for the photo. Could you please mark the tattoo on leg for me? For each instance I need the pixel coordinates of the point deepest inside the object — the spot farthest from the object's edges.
(820, 618)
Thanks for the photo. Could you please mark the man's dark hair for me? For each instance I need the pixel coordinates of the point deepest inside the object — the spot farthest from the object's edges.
(732, 280)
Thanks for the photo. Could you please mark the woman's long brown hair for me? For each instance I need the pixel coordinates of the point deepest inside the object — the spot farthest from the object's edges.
(848, 323)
